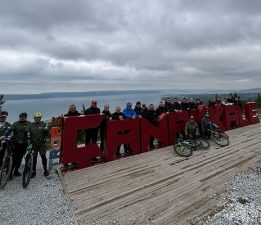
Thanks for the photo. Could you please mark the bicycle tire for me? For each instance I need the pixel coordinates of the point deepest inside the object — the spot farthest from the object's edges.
(220, 140)
(5, 170)
(28, 168)
(183, 150)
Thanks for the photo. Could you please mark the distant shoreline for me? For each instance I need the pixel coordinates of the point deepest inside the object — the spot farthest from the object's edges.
(176, 92)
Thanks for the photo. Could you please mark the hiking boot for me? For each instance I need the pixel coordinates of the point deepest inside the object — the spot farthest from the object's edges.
(46, 173)
(17, 173)
(33, 174)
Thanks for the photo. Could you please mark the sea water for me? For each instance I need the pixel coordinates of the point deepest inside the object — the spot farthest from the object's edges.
(53, 107)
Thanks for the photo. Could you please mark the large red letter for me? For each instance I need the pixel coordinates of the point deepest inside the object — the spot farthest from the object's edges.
(69, 150)
(250, 112)
(160, 131)
(121, 132)
(177, 123)
(217, 116)
(231, 113)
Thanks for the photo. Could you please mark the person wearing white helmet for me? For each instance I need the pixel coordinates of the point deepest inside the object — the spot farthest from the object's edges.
(38, 132)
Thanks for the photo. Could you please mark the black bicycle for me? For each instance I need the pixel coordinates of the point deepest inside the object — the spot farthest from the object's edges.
(219, 137)
(28, 166)
(6, 168)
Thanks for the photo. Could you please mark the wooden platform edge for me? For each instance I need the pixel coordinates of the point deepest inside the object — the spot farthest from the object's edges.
(65, 191)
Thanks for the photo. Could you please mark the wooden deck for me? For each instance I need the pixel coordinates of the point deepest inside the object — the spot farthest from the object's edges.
(159, 187)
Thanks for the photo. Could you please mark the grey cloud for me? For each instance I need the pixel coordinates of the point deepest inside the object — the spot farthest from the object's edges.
(46, 15)
(160, 43)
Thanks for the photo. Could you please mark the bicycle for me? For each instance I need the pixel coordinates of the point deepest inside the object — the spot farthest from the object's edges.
(219, 137)
(185, 148)
(28, 166)
(6, 168)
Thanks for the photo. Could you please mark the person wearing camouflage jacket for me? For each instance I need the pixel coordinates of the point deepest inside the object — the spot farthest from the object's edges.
(38, 132)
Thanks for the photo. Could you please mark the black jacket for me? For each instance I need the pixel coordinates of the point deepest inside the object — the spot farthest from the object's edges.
(115, 116)
(92, 110)
(159, 111)
(76, 113)
(151, 116)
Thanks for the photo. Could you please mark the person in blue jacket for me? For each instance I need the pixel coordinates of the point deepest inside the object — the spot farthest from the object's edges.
(129, 112)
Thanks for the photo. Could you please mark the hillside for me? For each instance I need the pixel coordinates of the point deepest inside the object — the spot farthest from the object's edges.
(196, 93)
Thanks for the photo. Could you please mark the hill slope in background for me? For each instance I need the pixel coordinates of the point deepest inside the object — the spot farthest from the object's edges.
(249, 93)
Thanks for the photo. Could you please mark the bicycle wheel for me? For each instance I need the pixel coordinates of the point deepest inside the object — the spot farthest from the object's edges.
(220, 139)
(183, 150)
(5, 169)
(28, 168)
(204, 144)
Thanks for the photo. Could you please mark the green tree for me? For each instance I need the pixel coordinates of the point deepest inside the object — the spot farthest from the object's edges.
(2, 101)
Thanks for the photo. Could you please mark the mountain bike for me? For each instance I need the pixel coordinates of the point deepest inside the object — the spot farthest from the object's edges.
(6, 168)
(28, 166)
(218, 136)
(185, 148)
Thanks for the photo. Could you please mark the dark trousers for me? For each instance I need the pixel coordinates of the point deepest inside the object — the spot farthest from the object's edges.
(91, 136)
(118, 150)
(44, 162)
(102, 134)
(2, 153)
(18, 153)
(39, 147)
(151, 142)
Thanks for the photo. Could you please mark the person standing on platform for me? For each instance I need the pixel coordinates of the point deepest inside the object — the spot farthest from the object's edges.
(91, 135)
(138, 109)
(107, 116)
(72, 111)
(151, 116)
(160, 109)
(118, 115)
(129, 113)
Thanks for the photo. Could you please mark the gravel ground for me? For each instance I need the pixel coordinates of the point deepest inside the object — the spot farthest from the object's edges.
(42, 202)
(242, 206)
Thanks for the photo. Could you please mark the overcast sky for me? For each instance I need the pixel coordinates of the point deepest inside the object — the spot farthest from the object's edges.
(76, 45)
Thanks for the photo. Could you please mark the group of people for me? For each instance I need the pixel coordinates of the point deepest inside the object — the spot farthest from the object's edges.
(230, 100)
(140, 111)
(23, 133)
(193, 130)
